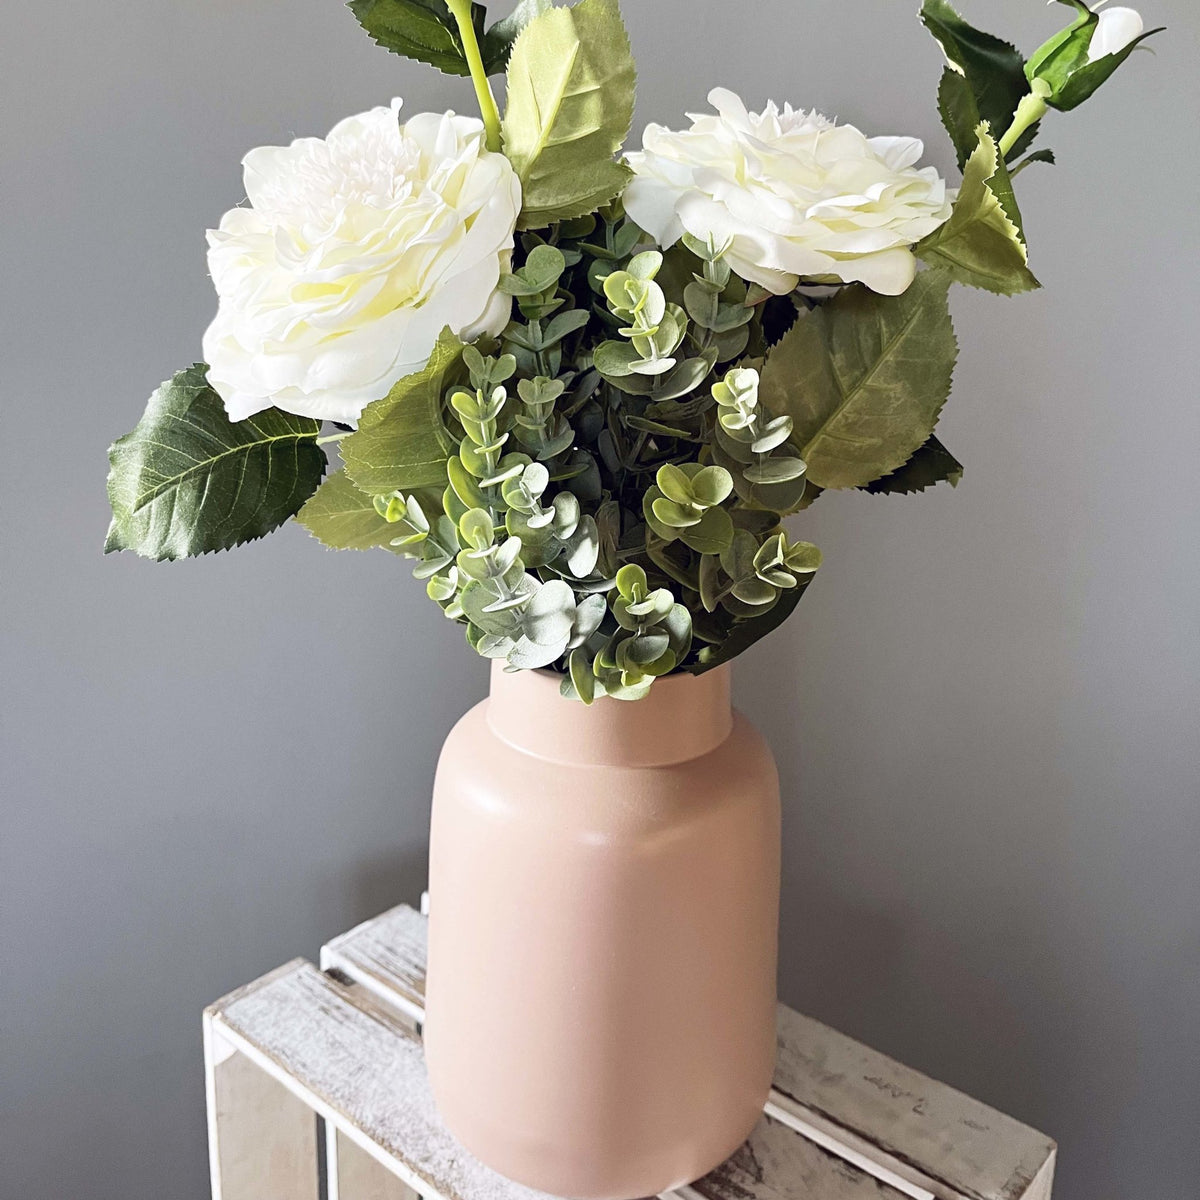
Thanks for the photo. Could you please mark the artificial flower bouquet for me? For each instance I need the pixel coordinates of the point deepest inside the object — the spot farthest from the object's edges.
(583, 386)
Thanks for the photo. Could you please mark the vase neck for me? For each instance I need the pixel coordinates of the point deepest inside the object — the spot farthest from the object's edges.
(683, 717)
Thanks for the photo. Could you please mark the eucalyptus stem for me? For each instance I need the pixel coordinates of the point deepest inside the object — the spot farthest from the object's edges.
(483, 90)
(1032, 109)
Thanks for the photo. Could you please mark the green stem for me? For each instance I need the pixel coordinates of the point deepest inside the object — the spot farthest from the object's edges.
(1032, 109)
(334, 437)
(483, 91)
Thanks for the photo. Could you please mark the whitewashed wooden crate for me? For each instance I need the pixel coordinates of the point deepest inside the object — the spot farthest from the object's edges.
(343, 1043)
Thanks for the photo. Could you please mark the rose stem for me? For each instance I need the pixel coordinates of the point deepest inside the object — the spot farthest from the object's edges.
(1031, 110)
(487, 102)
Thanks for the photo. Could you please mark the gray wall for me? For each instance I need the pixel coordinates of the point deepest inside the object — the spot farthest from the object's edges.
(985, 712)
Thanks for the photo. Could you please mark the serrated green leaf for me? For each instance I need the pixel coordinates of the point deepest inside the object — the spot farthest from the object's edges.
(498, 42)
(932, 464)
(402, 442)
(189, 481)
(864, 378)
(424, 30)
(1038, 156)
(746, 632)
(570, 104)
(960, 116)
(343, 518)
(992, 68)
(959, 113)
(979, 245)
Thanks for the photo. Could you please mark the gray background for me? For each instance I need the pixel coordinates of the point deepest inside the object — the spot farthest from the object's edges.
(985, 712)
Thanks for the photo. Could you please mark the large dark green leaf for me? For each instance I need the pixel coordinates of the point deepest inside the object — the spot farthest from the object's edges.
(188, 481)
(497, 43)
(402, 441)
(864, 378)
(959, 113)
(424, 30)
(746, 633)
(993, 70)
(932, 464)
(343, 518)
(979, 245)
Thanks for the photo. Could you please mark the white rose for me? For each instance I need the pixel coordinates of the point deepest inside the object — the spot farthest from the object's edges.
(1116, 29)
(792, 193)
(357, 250)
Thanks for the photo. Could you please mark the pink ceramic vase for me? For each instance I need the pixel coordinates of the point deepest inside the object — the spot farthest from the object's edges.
(604, 891)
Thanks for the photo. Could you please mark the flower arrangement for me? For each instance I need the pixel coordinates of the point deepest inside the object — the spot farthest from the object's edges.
(583, 387)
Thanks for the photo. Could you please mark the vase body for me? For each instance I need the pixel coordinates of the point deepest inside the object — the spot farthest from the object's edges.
(604, 895)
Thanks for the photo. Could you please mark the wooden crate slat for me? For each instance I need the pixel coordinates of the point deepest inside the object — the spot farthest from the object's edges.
(919, 1135)
(354, 1175)
(262, 1138)
(362, 1072)
(386, 955)
(775, 1163)
(957, 1143)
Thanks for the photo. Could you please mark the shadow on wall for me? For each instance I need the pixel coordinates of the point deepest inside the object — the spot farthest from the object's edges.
(373, 885)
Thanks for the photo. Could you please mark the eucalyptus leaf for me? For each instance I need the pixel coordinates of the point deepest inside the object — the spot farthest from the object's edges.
(189, 481)
(402, 441)
(864, 378)
(979, 245)
(570, 104)
(711, 534)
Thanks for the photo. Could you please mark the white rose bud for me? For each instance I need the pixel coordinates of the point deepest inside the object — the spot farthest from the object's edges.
(1116, 29)
(791, 194)
(355, 252)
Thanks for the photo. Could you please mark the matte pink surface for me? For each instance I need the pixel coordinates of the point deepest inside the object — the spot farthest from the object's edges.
(604, 887)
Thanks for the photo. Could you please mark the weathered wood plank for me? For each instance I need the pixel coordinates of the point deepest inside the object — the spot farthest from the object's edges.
(385, 955)
(913, 1133)
(364, 1073)
(262, 1138)
(953, 1144)
(775, 1163)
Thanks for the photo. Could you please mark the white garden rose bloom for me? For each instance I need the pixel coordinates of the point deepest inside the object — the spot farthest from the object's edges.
(792, 194)
(355, 252)
(1116, 29)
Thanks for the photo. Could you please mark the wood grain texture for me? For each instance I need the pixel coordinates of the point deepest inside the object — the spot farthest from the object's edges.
(954, 1145)
(364, 1073)
(776, 1163)
(386, 956)
(911, 1132)
(843, 1122)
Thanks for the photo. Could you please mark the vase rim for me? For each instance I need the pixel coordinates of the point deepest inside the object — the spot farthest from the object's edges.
(683, 717)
